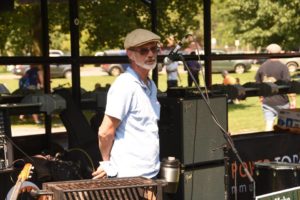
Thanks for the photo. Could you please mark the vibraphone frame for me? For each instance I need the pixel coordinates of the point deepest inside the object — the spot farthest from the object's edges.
(135, 188)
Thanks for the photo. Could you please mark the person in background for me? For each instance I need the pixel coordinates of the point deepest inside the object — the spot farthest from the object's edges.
(193, 65)
(273, 70)
(229, 80)
(172, 74)
(172, 68)
(189, 38)
(32, 80)
(191, 44)
(128, 134)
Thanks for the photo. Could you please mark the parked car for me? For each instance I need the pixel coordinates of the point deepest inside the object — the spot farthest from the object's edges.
(55, 53)
(98, 53)
(292, 63)
(237, 66)
(56, 70)
(114, 69)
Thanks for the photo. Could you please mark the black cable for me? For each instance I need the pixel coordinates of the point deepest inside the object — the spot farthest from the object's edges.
(17, 147)
(13, 163)
(85, 154)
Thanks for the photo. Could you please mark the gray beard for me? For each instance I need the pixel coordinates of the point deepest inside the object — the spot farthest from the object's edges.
(145, 66)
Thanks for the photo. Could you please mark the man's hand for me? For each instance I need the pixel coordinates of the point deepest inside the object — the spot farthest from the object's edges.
(99, 173)
(105, 170)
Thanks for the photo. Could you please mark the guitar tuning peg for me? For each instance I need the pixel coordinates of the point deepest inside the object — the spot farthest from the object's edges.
(29, 176)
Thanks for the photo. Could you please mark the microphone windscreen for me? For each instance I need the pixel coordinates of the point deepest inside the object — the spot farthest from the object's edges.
(167, 60)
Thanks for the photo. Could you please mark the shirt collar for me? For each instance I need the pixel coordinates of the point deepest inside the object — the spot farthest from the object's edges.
(136, 76)
(138, 80)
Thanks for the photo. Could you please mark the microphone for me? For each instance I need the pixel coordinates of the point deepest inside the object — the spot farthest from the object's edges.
(173, 54)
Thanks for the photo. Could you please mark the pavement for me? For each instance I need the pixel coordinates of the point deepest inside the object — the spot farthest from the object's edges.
(33, 130)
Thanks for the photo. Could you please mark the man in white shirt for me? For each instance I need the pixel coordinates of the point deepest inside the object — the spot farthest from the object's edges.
(128, 135)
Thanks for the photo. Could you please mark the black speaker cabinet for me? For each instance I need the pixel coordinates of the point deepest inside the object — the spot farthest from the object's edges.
(202, 183)
(188, 131)
(205, 183)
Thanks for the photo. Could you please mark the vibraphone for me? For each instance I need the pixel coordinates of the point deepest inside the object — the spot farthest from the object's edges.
(135, 188)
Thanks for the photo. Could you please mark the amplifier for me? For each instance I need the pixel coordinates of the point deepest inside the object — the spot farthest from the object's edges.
(188, 131)
(6, 149)
(5, 153)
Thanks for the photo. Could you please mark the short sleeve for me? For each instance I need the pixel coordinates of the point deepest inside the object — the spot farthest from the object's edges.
(118, 99)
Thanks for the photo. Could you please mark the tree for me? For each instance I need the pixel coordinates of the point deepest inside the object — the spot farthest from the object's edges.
(20, 31)
(103, 24)
(107, 22)
(261, 22)
(222, 27)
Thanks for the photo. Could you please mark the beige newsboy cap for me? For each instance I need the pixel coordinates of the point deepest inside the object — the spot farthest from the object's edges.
(139, 37)
(273, 48)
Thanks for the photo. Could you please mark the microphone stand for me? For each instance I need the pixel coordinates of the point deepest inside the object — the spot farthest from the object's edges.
(230, 144)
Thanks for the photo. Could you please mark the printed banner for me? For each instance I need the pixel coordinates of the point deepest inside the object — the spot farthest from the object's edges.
(263, 147)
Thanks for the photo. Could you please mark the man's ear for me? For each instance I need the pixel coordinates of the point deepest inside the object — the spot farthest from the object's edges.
(130, 55)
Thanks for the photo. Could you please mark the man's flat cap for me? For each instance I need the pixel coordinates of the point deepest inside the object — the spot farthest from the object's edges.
(139, 37)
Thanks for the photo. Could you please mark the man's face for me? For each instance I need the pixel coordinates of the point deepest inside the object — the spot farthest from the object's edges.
(145, 56)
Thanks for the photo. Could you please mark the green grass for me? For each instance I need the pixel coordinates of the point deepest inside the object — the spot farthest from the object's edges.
(245, 117)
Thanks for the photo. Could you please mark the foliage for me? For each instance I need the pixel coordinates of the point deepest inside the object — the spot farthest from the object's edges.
(221, 26)
(262, 22)
(108, 22)
(17, 30)
(103, 24)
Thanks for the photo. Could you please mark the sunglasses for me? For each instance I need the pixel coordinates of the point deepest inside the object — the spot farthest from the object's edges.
(145, 51)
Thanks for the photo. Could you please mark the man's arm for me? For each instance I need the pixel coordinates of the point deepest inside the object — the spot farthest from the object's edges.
(106, 135)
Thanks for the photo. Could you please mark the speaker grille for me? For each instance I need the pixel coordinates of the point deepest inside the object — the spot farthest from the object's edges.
(188, 132)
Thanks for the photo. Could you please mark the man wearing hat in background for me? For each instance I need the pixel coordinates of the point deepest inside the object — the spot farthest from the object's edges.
(128, 135)
(273, 70)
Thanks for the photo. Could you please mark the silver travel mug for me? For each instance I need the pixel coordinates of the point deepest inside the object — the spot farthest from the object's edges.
(170, 172)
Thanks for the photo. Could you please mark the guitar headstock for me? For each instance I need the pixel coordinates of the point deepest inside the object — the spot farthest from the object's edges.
(25, 173)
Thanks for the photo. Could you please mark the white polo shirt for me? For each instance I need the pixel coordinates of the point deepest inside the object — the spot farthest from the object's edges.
(135, 151)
